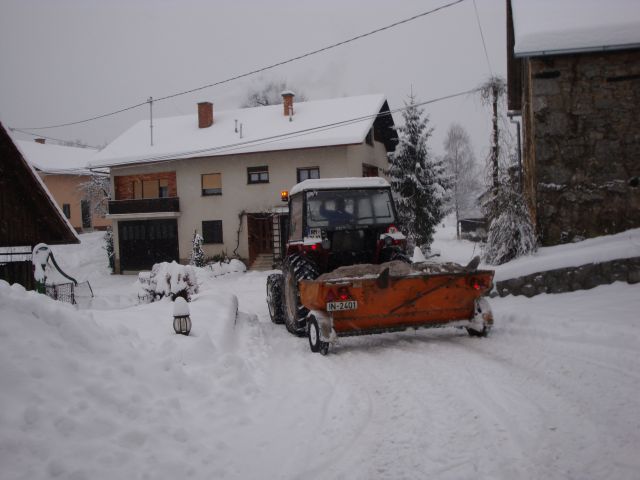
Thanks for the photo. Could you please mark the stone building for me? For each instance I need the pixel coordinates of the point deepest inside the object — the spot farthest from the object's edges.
(574, 78)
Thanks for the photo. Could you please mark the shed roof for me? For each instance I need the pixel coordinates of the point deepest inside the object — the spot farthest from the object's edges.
(56, 158)
(551, 27)
(339, 121)
(28, 213)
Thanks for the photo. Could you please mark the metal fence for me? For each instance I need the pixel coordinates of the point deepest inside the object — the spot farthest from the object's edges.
(80, 294)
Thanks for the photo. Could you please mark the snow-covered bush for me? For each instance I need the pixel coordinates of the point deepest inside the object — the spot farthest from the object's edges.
(197, 254)
(511, 232)
(169, 280)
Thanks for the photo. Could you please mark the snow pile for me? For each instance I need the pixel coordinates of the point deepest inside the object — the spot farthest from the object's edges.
(103, 395)
(39, 259)
(593, 250)
(230, 266)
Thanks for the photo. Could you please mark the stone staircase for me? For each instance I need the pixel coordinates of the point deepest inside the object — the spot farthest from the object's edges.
(263, 262)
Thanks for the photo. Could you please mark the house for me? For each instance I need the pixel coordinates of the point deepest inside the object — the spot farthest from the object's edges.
(222, 173)
(64, 172)
(28, 215)
(574, 78)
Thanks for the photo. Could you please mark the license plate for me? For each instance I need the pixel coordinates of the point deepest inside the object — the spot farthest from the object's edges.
(340, 306)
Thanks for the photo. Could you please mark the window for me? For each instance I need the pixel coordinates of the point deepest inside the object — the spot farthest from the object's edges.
(258, 174)
(308, 173)
(369, 170)
(150, 188)
(212, 184)
(295, 218)
(66, 209)
(369, 137)
(212, 231)
(163, 190)
(137, 189)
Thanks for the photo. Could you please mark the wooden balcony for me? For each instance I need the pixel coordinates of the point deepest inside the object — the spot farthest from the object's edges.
(144, 205)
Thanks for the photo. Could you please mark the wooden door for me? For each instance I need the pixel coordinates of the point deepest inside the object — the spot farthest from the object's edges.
(260, 231)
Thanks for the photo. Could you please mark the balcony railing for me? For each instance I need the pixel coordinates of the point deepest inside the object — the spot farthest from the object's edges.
(144, 205)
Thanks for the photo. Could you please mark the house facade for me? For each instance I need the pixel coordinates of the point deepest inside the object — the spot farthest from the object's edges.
(225, 174)
(64, 172)
(573, 77)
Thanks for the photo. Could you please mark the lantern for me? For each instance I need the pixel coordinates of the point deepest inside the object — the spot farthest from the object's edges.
(181, 319)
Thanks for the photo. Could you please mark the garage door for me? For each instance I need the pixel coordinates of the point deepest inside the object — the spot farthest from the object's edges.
(145, 242)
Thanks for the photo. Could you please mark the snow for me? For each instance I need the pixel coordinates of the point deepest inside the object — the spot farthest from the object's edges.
(180, 307)
(112, 392)
(600, 249)
(180, 137)
(56, 158)
(339, 183)
(546, 27)
(39, 259)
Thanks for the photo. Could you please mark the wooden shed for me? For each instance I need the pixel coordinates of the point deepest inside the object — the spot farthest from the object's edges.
(28, 215)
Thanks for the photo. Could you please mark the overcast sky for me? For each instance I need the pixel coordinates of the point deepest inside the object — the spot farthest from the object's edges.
(67, 60)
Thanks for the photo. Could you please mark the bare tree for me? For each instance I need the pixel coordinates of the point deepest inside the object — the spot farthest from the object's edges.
(511, 231)
(270, 94)
(492, 92)
(97, 190)
(463, 171)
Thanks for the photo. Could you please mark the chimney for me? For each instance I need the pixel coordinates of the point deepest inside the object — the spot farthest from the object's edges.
(287, 101)
(205, 114)
(40, 140)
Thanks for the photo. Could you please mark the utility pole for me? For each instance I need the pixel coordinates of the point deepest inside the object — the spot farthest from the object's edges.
(150, 100)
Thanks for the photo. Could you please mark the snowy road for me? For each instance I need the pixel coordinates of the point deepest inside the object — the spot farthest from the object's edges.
(112, 392)
(552, 393)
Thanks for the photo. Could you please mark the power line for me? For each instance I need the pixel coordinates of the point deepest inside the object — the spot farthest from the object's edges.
(284, 136)
(484, 45)
(259, 70)
(64, 142)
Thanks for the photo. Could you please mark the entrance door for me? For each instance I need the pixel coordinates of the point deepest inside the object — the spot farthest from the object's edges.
(85, 209)
(260, 231)
(145, 242)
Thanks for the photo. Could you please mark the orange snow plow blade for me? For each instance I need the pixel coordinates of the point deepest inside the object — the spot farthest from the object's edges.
(360, 306)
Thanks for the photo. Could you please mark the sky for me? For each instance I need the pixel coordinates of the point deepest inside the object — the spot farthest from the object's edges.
(68, 60)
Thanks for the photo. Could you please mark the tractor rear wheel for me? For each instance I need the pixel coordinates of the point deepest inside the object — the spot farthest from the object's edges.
(274, 298)
(296, 267)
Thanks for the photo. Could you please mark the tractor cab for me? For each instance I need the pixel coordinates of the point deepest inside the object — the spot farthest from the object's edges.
(339, 222)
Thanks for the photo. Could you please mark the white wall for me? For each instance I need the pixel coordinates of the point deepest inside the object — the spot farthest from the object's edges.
(237, 195)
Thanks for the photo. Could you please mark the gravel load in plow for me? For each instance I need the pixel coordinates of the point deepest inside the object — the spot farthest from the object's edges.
(394, 296)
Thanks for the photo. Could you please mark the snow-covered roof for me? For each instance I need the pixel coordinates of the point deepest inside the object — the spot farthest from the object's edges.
(549, 27)
(55, 158)
(314, 124)
(339, 183)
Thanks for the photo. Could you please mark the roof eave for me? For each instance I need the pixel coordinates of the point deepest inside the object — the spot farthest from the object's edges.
(569, 51)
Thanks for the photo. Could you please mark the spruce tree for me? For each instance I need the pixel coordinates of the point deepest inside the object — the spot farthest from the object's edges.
(417, 178)
(197, 254)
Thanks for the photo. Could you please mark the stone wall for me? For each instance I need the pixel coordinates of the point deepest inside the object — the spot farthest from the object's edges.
(584, 132)
(570, 279)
